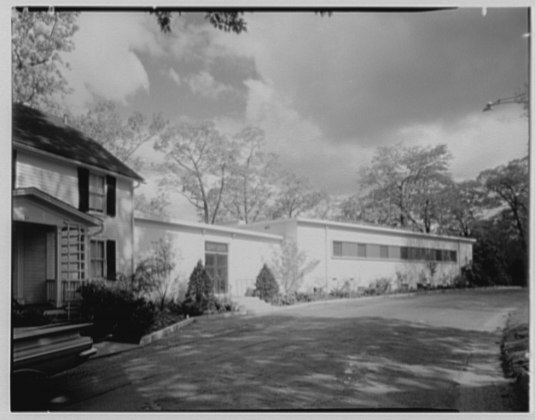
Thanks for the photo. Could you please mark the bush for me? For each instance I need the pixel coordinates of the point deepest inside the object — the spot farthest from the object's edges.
(23, 316)
(114, 310)
(266, 285)
(200, 294)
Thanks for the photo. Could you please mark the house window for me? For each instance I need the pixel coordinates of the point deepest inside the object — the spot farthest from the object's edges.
(383, 251)
(97, 193)
(102, 259)
(98, 259)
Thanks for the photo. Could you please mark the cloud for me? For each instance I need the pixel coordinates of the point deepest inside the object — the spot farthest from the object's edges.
(367, 75)
(477, 142)
(105, 61)
(203, 83)
(175, 77)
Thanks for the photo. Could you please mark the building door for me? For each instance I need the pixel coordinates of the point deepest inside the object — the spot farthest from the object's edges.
(216, 264)
(29, 270)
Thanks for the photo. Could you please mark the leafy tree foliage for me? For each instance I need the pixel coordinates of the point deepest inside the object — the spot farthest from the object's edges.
(38, 39)
(401, 186)
(122, 137)
(266, 287)
(463, 204)
(227, 21)
(249, 187)
(200, 292)
(154, 207)
(295, 196)
(153, 275)
(197, 161)
(291, 265)
(510, 185)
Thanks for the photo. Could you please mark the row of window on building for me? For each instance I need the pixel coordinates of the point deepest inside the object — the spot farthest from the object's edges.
(359, 250)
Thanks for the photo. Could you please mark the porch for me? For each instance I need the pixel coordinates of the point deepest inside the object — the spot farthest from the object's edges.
(49, 243)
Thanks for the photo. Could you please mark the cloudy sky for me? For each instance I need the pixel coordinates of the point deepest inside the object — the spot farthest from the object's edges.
(326, 90)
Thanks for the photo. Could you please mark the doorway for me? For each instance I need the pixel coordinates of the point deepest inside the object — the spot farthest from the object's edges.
(216, 264)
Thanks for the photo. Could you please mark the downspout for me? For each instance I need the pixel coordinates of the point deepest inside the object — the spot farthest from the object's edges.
(327, 256)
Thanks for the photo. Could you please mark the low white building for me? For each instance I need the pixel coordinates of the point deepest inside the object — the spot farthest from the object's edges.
(358, 254)
(232, 256)
(345, 254)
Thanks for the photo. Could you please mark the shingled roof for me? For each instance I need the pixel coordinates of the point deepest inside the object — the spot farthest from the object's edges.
(37, 130)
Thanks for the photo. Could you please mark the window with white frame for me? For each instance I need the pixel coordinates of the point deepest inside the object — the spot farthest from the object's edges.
(98, 259)
(102, 257)
(97, 193)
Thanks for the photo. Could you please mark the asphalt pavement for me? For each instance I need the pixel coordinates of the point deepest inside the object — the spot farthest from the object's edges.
(417, 353)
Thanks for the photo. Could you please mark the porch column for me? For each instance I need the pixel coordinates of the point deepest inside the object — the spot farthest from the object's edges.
(59, 294)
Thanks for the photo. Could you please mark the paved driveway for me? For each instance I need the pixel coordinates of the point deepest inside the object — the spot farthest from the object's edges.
(437, 351)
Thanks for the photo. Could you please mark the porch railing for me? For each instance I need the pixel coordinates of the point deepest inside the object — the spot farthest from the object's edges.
(51, 291)
(68, 291)
(70, 288)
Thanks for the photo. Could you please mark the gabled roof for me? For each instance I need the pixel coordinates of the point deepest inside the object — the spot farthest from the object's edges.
(42, 132)
(55, 204)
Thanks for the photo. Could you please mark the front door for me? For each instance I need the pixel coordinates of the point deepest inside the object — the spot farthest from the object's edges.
(30, 262)
(216, 264)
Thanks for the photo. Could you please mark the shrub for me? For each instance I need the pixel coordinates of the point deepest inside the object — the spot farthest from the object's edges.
(26, 316)
(266, 285)
(290, 266)
(200, 294)
(379, 287)
(114, 310)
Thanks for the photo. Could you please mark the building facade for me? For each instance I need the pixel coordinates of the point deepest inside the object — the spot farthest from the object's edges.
(356, 255)
(233, 257)
(73, 210)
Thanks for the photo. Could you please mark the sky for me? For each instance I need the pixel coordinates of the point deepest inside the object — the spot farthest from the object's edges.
(327, 90)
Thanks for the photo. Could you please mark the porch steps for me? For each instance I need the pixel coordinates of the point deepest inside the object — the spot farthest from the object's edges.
(252, 305)
(67, 313)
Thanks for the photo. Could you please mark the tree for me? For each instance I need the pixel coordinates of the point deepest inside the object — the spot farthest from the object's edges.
(295, 196)
(290, 266)
(249, 185)
(197, 160)
(266, 287)
(463, 204)
(153, 275)
(122, 137)
(510, 185)
(38, 39)
(200, 292)
(401, 186)
(225, 21)
(155, 207)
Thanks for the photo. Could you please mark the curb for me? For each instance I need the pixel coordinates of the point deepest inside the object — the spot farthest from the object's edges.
(394, 296)
(156, 335)
(146, 339)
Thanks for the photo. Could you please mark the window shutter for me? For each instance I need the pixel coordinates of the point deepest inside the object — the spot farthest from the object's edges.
(110, 195)
(110, 260)
(83, 189)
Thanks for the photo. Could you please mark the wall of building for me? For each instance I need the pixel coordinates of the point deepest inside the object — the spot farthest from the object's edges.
(60, 180)
(50, 176)
(246, 253)
(316, 241)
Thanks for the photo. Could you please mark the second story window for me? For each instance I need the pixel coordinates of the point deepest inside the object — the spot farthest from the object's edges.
(97, 193)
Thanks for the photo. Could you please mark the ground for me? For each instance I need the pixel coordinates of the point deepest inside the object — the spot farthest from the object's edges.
(431, 352)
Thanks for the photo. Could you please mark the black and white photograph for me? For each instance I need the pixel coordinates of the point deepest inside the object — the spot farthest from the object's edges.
(284, 210)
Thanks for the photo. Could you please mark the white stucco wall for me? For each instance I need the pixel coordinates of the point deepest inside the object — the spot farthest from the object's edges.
(246, 252)
(316, 240)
